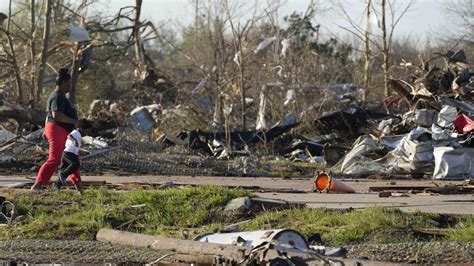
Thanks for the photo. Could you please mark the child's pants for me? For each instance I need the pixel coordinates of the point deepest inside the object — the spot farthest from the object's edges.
(69, 163)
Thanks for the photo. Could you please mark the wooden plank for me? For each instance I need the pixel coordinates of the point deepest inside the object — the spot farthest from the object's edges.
(206, 251)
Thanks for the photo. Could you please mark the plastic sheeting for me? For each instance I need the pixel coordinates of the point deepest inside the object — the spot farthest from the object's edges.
(264, 44)
(463, 124)
(78, 34)
(452, 163)
(285, 46)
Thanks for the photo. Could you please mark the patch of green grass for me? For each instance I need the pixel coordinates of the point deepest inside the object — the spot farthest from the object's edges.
(465, 232)
(65, 215)
(371, 225)
(188, 211)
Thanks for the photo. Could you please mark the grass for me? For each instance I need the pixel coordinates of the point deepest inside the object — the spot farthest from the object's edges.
(371, 225)
(188, 211)
(65, 215)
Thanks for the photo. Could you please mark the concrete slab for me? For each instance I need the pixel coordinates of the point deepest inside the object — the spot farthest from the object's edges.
(449, 204)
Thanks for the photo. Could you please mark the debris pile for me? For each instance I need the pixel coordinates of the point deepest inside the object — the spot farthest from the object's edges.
(433, 138)
(325, 126)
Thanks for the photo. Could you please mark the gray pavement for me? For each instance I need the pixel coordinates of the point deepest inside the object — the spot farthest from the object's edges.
(449, 204)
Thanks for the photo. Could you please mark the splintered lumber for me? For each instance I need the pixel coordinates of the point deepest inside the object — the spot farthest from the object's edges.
(199, 250)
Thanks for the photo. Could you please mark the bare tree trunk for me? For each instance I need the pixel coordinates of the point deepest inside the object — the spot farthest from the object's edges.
(9, 15)
(44, 51)
(384, 50)
(33, 48)
(242, 89)
(367, 50)
(276, 51)
(16, 69)
(74, 72)
(138, 45)
(75, 67)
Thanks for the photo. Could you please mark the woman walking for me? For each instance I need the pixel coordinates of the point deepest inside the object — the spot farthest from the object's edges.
(60, 121)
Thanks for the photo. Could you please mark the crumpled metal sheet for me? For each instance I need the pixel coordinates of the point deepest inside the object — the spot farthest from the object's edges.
(414, 153)
(355, 162)
(466, 107)
(452, 163)
(446, 116)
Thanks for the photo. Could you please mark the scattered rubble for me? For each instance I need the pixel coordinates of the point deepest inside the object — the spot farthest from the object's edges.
(269, 247)
(337, 132)
(433, 138)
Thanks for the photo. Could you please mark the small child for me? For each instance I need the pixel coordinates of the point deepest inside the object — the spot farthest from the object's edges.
(70, 162)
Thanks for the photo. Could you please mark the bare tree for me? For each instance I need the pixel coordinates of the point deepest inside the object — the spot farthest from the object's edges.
(12, 55)
(367, 52)
(139, 56)
(388, 10)
(44, 50)
(385, 50)
(461, 15)
(76, 52)
(32, 50)
(240, 34)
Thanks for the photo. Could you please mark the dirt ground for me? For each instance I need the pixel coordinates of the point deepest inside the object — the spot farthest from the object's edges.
(73, 251)
(446, 204)
(87, 252)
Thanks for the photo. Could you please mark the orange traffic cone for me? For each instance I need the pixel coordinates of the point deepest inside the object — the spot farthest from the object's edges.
(325, 183)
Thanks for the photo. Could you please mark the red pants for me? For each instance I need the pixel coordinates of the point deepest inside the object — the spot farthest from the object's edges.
(56, 136)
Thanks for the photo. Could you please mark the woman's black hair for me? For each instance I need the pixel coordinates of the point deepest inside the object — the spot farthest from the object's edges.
(63, 75)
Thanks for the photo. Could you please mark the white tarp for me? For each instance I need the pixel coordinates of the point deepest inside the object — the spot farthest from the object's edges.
(264, 44)
(78, 34)
(452, 163)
